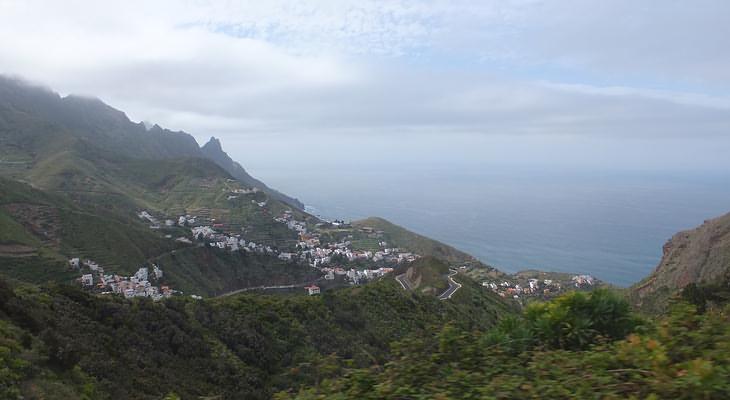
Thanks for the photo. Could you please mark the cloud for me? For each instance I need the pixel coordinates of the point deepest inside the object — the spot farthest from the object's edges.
(388, 69)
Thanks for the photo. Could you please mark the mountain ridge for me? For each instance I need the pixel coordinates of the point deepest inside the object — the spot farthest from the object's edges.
(58, 160)
(213, 150)
(91, 119)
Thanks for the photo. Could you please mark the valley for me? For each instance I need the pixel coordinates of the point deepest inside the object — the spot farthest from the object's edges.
(136, 265)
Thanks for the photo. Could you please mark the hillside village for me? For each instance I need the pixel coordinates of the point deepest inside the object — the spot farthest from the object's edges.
(93, 277)
(520, 287)
(335, 260)
(325, 246)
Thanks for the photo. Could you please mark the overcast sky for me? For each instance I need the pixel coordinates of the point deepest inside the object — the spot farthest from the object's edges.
(619, 84)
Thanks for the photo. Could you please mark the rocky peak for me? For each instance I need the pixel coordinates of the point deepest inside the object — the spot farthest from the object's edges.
(213, 145)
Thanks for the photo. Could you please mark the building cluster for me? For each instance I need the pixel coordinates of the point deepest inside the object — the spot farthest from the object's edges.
(309, 251)
(537, 287)
(137, 285)
(236, 193)
(154, 222)
(311, 248)
(183, 220)
(230, 242)
(287, 218)
(329, 258)
(582, 281)
(532, 288)
(354, 276)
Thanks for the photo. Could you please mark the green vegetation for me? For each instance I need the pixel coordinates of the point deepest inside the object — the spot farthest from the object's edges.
(14, 233)
(397, 236)
(225, 271)
(578, 346)
(86, 207)
(371, 342)
(573, 321)
(427, 275)
(86, 171)
(708, 295)
(245, 346)
(37, 269)
(26, 372)
(366, 244)
(54, 229)
(80, 171)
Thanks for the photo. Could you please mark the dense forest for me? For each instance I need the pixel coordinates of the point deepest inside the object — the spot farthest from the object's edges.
(370, 342)
(59, 342)
(579, 346)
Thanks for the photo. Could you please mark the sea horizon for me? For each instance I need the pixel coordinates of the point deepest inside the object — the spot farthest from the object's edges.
(609, 224)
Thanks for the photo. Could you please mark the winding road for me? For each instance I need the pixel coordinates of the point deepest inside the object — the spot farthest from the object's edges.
(453, 286)
(403, 282)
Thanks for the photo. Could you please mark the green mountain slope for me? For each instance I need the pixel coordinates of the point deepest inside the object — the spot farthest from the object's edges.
(88, 172)
(87, 186)
(401, 237)
(426, 275)
(41, 230)
(36, 123)
(211, 272)
(52, 229)
(74, 176)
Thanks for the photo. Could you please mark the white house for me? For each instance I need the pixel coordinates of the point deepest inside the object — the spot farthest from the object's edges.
(157, 271)
(87, 280)
(312, 290)
(142, 274)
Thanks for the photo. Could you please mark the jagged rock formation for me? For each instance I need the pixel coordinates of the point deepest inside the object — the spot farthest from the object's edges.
(214, 152)
(35, 118)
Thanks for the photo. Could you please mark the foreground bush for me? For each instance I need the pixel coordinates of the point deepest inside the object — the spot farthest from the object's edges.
(577, 347)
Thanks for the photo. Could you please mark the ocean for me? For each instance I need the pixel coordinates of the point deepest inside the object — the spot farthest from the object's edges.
(611, 225)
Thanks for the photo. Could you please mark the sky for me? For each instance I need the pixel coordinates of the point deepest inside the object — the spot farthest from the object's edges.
(617, 84)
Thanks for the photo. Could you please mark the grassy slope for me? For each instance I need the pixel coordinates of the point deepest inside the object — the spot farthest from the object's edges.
(401, 237)
(430, 275)
(223, 271)
(427, 275)
(75, 232)
(96, 196)
(14, 233)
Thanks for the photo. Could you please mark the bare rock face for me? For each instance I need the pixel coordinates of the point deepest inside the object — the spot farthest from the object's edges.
(700, 255)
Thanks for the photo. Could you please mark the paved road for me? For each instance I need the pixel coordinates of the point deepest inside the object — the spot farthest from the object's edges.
(294, 285)
(453, 287)
(403, 281)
